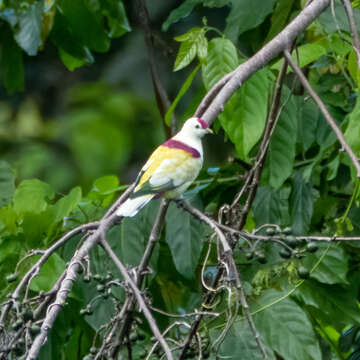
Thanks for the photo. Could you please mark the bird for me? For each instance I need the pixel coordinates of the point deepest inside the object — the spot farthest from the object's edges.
(170, 169)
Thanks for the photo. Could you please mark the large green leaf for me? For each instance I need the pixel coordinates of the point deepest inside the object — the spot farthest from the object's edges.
(49, 273)
(71, 49)
(67, 204)
(28, 29)
(184, 236)
(331, 25)
(285, 328)
(84, 25)
(301, 204)
(240, 340)
(281, 154)
(222, 58)
(333, 267)
(11, 62)
(352, 133)
(306, 54)
(131, 237)
(279, 18)
(7, 185)
(271, 206)
(246, 15)
(31, 196)
(338, 305)
(307, 123)
(245, 114)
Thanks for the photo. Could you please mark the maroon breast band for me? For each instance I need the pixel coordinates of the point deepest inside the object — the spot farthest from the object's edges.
(175, 144)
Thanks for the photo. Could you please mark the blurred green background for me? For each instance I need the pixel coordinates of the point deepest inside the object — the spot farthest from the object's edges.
(71, 127)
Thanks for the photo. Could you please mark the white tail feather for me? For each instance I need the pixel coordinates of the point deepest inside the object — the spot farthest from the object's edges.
(132, 206)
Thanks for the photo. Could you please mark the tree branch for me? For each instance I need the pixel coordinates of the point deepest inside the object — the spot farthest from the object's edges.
(273, 48)
(139, 298)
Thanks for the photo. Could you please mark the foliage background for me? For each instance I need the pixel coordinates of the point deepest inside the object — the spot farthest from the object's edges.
(78, 116)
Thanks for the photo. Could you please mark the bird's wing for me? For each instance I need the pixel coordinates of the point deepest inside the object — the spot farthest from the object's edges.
(166, 169)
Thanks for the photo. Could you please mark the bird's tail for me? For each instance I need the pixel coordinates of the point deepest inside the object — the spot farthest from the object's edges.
(132, 206)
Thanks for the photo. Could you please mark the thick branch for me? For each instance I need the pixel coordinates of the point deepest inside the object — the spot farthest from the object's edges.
(324, 111)
(277, 45)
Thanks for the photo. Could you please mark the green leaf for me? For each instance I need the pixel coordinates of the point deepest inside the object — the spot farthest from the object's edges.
(7, 183)
(246, 15)
(179, 13)
(31, 196)
(8, 222)
(117, 22)
(271, 206)
(181, 93)
(239, 340)
(130, 239)
(306, 54)
(285, 328)
(185, 56)
(71, 49)
(193, 42)
(339, 305)
(71, 62)
(104, 189)
(245, 114)
(327, 19)
(83, 25)
(187, 7)
(307, 123)
(11, 62)
(67, 204)
(279, 17)
(301, 204)
(28, 29)
(221, 59)
(281, 154)
(333, 267)
(352, 132)
(184, 236)
(49, 273)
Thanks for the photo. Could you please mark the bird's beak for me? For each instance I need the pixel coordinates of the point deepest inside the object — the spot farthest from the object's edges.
(209, 131)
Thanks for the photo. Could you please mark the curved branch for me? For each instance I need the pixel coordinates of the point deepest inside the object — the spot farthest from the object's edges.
(35, 269)
(273, 48)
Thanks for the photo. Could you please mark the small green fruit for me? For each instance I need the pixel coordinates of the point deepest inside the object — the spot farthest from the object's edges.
(303, 272)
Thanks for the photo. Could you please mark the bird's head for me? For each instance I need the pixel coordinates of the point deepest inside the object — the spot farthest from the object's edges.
(196, 127)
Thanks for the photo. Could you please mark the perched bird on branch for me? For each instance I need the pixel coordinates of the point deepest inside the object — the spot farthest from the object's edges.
(171, 168)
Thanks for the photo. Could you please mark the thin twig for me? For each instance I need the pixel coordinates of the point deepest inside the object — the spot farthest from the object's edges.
(71, 275)
(35, 269)
(130, 303)
(139, 297)
(353, 28)
(325, 112)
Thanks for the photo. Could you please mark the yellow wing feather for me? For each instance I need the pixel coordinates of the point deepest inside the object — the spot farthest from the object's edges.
(157, 157)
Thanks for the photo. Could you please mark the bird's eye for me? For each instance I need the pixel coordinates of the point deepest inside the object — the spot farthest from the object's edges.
(197, 126)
